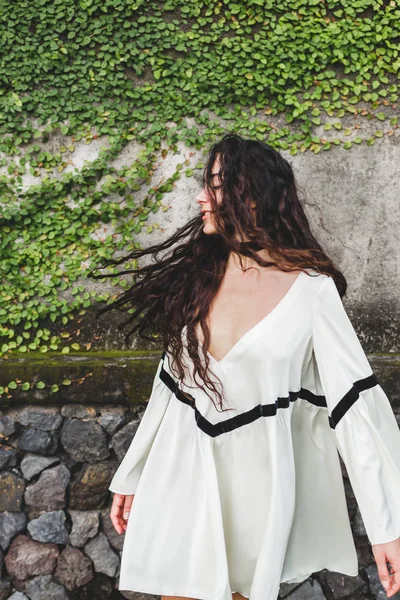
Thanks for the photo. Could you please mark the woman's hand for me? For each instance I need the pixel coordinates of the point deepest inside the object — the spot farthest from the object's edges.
(388, 552)
(120, 509)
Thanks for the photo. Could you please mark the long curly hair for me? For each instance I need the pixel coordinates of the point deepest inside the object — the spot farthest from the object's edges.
(175, 290)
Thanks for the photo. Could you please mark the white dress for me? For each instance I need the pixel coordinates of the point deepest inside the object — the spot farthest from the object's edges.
(242, 500)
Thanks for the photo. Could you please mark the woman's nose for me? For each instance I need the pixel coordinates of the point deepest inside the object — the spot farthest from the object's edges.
(201, 197)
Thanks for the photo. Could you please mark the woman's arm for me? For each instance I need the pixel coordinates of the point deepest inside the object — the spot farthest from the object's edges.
(363, 424)
(126, 477)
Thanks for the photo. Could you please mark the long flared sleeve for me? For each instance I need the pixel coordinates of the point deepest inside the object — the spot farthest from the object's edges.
(360, 415)
(126, 477)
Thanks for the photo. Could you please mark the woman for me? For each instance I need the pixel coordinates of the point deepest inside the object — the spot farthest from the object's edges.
(232, 483)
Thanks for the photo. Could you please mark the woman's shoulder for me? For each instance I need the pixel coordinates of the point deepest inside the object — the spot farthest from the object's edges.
(314, 274)
(314, 280)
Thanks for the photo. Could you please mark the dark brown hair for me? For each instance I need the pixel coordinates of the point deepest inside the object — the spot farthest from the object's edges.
(176, 289)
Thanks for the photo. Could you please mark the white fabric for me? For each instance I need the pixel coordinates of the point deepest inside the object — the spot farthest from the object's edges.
(241, 501)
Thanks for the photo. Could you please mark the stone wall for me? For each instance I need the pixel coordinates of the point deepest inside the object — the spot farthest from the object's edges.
(57, 541)
(56, 463)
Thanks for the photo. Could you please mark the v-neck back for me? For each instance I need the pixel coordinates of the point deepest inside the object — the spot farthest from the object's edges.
(268, 318)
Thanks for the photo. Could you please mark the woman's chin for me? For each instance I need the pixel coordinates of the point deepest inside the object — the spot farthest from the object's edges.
(208, 227)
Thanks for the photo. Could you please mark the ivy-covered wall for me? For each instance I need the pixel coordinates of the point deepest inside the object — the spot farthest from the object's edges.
(307, 76)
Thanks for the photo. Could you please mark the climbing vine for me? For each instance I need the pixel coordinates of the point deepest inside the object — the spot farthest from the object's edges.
(303, 75)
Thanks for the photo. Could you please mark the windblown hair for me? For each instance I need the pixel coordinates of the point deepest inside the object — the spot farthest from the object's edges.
(176, 290)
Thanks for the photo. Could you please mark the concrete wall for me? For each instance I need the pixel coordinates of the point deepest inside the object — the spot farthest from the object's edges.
(355, 192)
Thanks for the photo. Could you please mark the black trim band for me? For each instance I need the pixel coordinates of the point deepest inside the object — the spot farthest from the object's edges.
(268, 410)
(350, 397)
(262, 410)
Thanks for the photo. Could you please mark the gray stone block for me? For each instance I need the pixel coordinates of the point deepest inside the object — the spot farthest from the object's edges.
(103, 556)
(49, 527)
(85, 441)
(33, 464)
(85, 525)
(11, 523)
(46, 587)
(48, 493)
(46, 419)
(310, 590)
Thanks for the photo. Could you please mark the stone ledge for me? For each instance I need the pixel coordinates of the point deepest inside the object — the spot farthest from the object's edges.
(121, 378)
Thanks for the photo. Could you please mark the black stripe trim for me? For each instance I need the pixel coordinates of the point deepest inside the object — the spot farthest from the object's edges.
(268, 410)
(312, 398)
(173, 386)
(350, 397)
(262, 410)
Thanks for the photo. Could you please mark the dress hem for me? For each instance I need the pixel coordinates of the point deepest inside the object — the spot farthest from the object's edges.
(299, 578)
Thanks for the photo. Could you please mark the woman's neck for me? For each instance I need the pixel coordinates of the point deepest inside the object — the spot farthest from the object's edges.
(233, 264)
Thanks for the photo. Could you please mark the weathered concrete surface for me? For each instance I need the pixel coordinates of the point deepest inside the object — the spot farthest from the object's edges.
(357, 191)
(354, 192)
(352, 202)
